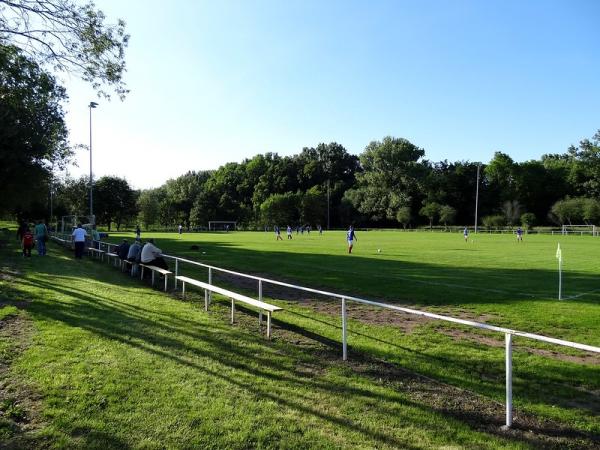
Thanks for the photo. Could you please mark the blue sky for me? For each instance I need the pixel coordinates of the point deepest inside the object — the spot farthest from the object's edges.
(213, 82)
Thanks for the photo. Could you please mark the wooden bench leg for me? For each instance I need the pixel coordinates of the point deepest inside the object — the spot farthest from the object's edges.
(166, 278)
(269, 324)
(205, 300)
(183, 290)
(232, 309)
(153, 278)
(142, 273)
(260, 320)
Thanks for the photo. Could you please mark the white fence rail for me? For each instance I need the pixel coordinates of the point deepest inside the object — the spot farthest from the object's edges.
(508, 333)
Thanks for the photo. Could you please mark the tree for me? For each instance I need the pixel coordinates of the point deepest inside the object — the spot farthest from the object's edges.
(568, 210)
(148, 206)
(313, 207)
(512, 211)
(182, 191)
(392, 173)
(114, 201)
(493, 221)
(70, 38)
(528, 220)
(33, 134)
(403, 215)
(280, 209)
(430, 210)
(447, 215)
(591, 211)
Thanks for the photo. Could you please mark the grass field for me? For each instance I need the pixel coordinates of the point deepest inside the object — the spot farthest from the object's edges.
(100, 360)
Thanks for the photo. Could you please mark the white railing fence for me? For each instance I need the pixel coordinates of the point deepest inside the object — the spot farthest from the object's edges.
(508, 333)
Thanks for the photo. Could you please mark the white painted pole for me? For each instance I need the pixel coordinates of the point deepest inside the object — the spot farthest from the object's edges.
(183, 290)
(232, 309)
(176, 272)
(269, 324)
(344, 331)
(210, 282)
(260, 290)
(205, 300)
(509, 417)
(560, 278)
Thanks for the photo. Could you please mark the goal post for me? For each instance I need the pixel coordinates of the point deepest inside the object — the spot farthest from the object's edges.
(221, 225)
(67, 223)
(592, 230)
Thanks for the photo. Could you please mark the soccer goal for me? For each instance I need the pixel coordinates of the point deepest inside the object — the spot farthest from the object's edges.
(67, 223)
(221, 225)
(580, 230)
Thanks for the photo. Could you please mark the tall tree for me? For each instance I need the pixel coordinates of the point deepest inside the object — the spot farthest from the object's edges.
(392, 172)
(33, 134)
(114, 201)
(69, 37)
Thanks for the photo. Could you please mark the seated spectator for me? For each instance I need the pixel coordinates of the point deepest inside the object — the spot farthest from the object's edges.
(133, 255)
(151, 255)
(123, 250)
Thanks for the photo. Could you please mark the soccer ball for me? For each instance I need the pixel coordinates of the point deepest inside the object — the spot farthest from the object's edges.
(378, 250)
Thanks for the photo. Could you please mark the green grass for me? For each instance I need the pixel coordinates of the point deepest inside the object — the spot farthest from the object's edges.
(494, 279)
(115, 364)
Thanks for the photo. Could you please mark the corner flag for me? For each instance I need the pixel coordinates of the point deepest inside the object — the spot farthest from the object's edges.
(559, 253)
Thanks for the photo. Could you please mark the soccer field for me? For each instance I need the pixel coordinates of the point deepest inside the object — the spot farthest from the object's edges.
(491, 276)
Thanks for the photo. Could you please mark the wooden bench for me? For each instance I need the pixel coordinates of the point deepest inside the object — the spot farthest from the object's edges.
(164, 272)
(125, 263)
(95, 251)
(262, 306)
(110, 255)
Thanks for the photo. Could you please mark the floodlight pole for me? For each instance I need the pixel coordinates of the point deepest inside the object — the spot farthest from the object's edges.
(92, 105)
(477, 197)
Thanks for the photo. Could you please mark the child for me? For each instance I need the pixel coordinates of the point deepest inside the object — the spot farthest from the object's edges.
(27, 242)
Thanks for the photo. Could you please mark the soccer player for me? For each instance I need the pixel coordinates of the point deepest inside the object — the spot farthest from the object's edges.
(466, 234)
(277, 234)
(289, 232)
(351, 236)
(519, 234)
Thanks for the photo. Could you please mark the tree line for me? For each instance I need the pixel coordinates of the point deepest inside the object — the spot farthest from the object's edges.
(390, 184)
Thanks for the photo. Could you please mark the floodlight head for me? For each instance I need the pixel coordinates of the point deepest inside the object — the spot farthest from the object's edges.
(93, 104)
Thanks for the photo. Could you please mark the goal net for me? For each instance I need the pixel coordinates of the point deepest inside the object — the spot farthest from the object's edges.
(67, 223)
(221, 225)
(580, 230)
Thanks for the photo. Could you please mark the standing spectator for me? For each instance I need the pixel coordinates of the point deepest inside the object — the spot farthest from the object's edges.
(138, 232)
(41, 237)
(78, 236)
(95, 237)
(21, 230)
(152, 255)
(27, 242)
(180, 228)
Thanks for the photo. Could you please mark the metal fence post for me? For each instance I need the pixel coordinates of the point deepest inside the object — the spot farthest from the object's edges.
(260, 290)
(209, 282)
(344, 331)
(176, 271)
(509, 417)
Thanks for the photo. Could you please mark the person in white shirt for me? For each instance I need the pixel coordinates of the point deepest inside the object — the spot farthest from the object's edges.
(151, 255)
(78, 236)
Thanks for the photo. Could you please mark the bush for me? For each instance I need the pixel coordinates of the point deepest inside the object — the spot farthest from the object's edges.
(528, 220)
(495, 221)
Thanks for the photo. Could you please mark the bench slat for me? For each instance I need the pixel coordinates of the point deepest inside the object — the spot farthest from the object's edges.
(157, 269)
(230, 294)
